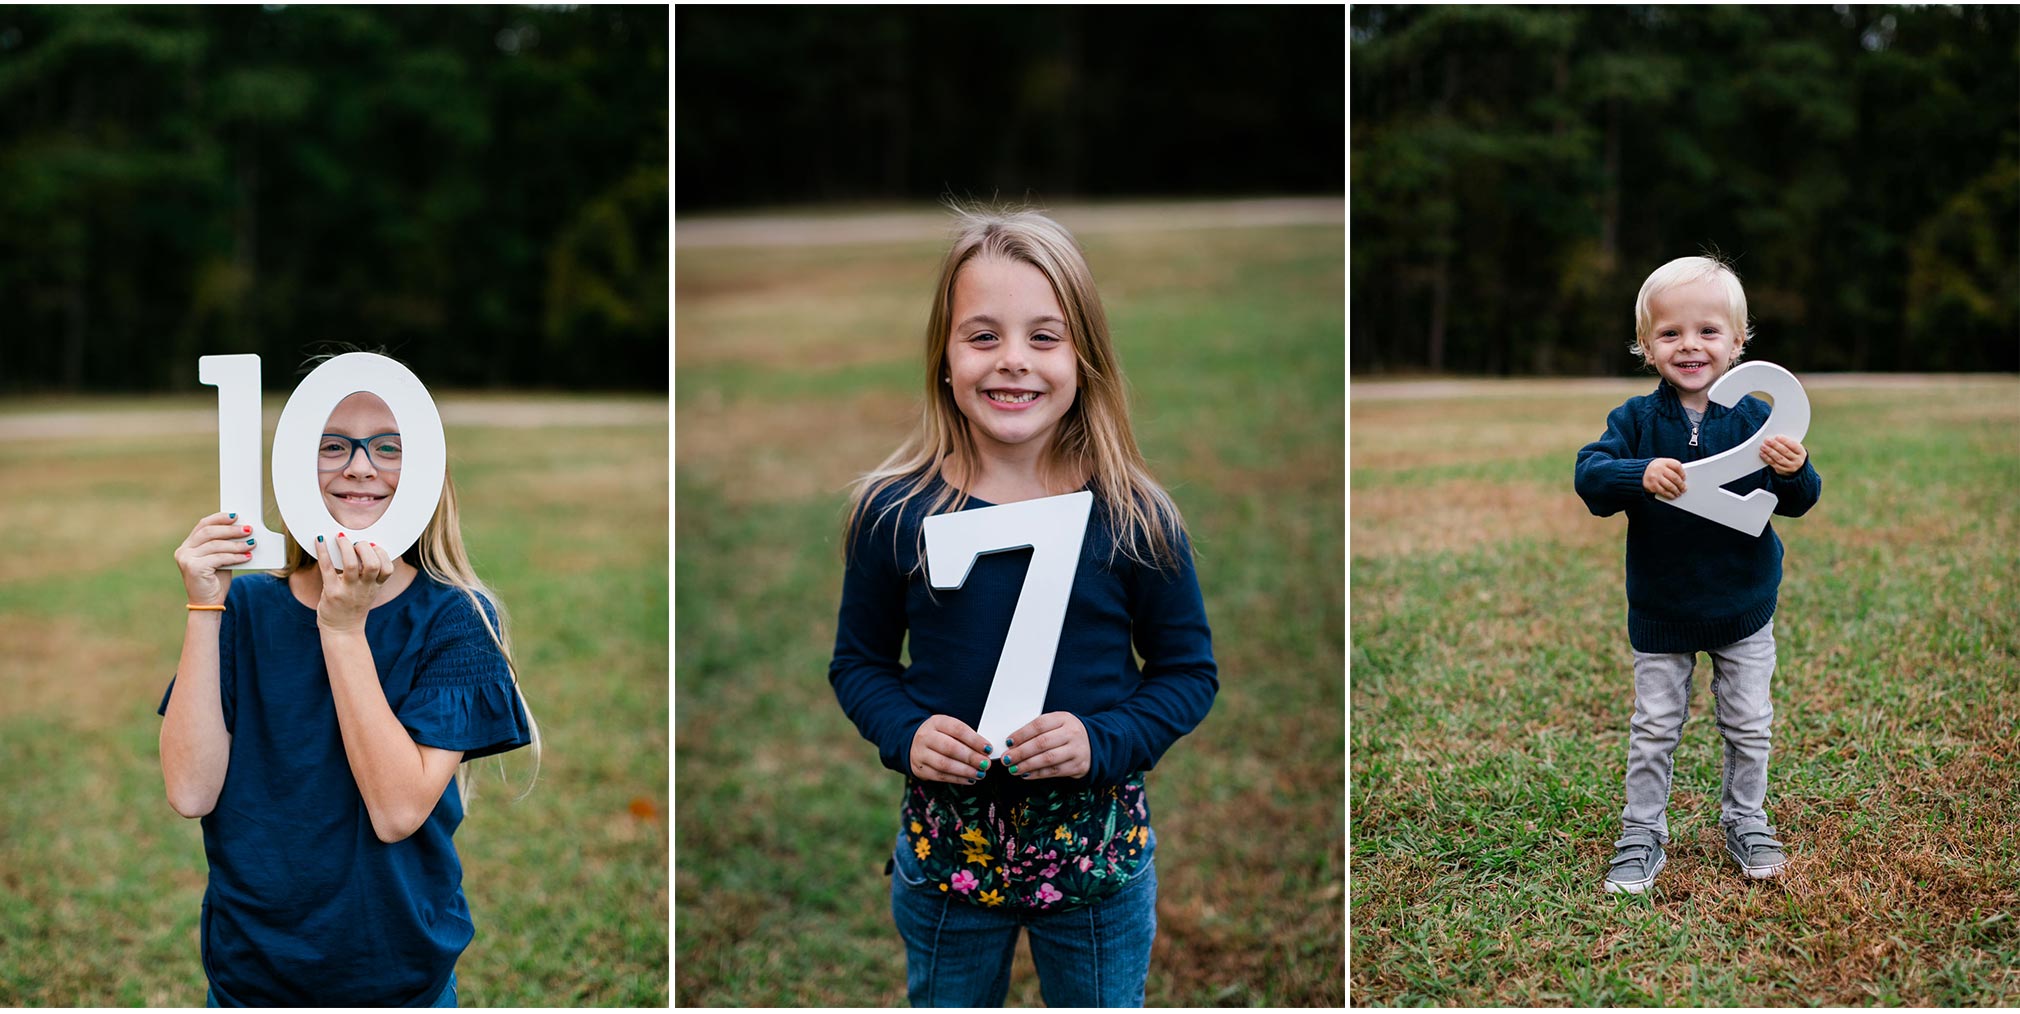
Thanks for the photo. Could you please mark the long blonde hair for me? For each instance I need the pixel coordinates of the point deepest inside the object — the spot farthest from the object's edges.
(1094, 438)
(439, 554)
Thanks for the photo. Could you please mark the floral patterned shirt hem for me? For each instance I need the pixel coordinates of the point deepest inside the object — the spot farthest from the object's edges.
(1055, 850)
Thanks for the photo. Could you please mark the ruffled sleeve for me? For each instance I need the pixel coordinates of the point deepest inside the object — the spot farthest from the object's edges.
(464, 697)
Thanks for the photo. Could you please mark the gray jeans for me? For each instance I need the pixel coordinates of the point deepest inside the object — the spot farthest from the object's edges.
(1740, 675)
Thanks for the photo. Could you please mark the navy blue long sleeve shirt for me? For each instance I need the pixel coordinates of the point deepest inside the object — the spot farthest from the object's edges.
(1117, 609)
(1692, 584)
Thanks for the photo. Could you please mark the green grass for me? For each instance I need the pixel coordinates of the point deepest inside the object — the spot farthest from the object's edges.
(1492, 686)
(100, 882)
(798, 369)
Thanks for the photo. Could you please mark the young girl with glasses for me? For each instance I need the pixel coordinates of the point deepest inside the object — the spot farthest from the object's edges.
(1024, 399)
(316, 720)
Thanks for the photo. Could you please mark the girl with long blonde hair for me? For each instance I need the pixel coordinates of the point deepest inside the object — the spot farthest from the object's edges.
(1024, 399)
(316, 720)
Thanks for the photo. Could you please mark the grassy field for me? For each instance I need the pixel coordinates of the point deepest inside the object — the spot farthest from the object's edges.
(1492, 686)
(100, 882)
(798, 369)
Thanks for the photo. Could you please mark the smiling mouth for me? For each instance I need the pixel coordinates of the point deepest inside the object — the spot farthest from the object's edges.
(361, 499)
(1692, 364)
(1011, 397)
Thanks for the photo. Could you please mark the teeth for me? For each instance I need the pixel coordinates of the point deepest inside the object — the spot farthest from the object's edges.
(1015, 399)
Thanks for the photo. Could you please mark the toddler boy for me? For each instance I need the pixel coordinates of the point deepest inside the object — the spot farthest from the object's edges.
(1693, 584)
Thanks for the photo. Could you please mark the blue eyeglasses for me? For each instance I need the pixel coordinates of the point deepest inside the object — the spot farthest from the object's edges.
(382, 451)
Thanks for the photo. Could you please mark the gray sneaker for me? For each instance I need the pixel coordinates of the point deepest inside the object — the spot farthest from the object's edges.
(1754, 848)
(1637, 858)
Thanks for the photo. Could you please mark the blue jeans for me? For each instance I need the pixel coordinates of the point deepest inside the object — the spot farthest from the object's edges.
(447, 999)
(958, 954)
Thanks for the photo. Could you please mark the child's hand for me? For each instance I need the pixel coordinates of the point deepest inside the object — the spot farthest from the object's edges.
(1053, 745)
(1783, 455)
(352, 574)
(1664, 478)
(216, 542)
(945, 749)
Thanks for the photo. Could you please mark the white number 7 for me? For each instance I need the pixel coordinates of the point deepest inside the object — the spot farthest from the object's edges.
(1053, 528)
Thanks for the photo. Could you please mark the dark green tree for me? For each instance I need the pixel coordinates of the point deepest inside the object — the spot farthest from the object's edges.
(1518, 171)
(180, 181)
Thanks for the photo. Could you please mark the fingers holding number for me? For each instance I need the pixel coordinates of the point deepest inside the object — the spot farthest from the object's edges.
(1786, 456)
(1053, 745)
(382, 563)
(216, 542)
(352, 573)
(1664, 478)
(946, 749)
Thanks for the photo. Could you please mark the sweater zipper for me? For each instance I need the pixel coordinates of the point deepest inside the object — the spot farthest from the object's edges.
(1693, 434)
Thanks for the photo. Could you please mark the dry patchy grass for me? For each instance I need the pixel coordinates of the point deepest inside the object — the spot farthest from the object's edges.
(795, 308)
(50, 663)
(798, 374)
(1461, 514)
(100, 882)
(1490, 701)
(784, 451)
(1396, 436)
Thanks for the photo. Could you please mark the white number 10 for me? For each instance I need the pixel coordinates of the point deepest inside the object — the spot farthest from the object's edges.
(1053, 528)
(296, 489)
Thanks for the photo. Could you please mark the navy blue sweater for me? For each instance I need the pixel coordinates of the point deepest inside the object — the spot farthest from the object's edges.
(1132, 716)
(1692, 584)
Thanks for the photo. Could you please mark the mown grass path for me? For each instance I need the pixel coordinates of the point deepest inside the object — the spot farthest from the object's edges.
(798, 367)
(100, 882)
(1492, 685)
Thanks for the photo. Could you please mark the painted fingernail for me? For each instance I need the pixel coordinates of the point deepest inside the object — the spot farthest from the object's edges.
(1008, 742)
(1013, 769)
(971, 781)
(984, 769)
(319, 538)
(248, 542)
(248, 530)
(234, 517)
(341, 535)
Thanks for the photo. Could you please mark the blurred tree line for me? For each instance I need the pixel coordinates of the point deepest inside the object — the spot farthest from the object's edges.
(1518, 171)
(781, 105)
(480, 190)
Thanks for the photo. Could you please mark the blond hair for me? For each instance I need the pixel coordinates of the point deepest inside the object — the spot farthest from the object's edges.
(440, 555)
(1094, 439)
(1684, 271)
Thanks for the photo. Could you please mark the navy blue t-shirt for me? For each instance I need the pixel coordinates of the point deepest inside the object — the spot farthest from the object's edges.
(306, 906)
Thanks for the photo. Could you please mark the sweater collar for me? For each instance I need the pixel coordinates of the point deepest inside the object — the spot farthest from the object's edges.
(1672, 406)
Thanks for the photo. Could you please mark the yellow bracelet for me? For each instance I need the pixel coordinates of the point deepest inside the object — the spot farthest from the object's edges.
(206, 609)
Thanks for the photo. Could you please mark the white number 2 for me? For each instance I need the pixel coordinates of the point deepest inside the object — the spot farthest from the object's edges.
(1053, 528)
(1702, 480)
